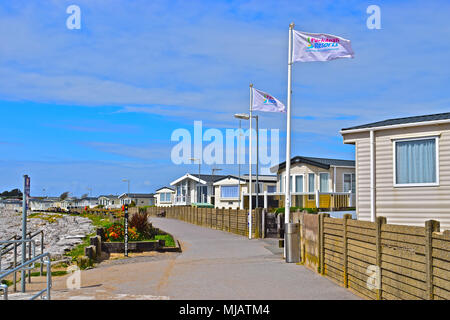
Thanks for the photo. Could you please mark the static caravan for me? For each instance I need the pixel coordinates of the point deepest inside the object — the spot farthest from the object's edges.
(334, 179)
(403, 169)
(164, 197)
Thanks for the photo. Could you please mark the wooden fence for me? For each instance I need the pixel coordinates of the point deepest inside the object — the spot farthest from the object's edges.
(230, 220)
(376, 260)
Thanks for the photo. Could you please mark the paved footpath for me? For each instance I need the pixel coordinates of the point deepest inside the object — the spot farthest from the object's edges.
(213, 265)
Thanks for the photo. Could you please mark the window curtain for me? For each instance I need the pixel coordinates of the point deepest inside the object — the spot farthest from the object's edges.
(349, 182)
(284, 184)
(416, 161)
(311, 183)
(298, 183)
(324, 182)
(229, 191)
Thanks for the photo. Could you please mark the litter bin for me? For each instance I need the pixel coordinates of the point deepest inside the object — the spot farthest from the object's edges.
(292, 242)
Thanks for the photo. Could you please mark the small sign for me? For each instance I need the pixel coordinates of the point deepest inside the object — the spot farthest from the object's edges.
(26, 192)
(125, 224)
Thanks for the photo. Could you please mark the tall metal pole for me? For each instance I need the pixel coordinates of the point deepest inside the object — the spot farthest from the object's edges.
(257, 162)
(239, 162)
(198, 187)
(250, 168)
(24, 228)
(288, 137)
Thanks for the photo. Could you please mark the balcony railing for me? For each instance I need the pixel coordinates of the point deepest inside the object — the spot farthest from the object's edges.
(314, 199)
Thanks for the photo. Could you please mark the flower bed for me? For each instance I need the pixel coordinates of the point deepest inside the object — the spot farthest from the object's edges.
(116, 233)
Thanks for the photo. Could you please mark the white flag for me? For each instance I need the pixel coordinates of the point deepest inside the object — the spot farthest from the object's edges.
(320, 47)
(265, 102)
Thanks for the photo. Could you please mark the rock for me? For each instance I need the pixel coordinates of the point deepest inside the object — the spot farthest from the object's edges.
(61, 234)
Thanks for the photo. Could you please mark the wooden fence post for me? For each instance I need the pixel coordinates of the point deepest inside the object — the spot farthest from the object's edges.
(223, 219)
(237, 221)
(379, 222)
(229, 219)
(430, 227)
(322, 242)
(258, 222)
(345, 250)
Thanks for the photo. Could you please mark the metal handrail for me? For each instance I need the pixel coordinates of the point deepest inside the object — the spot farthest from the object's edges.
(33, 243)
(31, 253)
(17, 237)
(32, 261)
(4, 287)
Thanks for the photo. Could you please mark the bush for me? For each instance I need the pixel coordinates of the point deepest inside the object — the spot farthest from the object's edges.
(140, 222)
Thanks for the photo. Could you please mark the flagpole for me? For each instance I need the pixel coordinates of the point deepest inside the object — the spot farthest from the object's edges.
(250, 168)
(287, 201)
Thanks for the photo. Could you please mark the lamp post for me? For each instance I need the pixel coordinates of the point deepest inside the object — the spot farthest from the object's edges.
(199, 166)
(247, 117)
(127, 180)
(212, 183)
(239, 161)
(250, 198)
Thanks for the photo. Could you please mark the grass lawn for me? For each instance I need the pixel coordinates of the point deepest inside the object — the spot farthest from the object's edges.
(169, 240)
(97, 221)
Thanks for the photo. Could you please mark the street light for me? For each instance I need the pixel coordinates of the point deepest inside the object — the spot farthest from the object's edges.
(199, 165)
(245, 116)
(127, 180)
(212, 182)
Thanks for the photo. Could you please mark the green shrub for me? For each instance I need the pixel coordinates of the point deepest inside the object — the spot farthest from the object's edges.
(140, 222)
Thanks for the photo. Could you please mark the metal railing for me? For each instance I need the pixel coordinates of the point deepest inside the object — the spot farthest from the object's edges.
(4, 288)
(13, 243)
(315, 196)
(23, 267)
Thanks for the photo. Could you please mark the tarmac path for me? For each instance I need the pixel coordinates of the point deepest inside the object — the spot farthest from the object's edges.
(213, 265)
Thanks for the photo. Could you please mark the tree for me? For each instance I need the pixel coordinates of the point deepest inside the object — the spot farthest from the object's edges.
(84, 196)
(15, 193)
(64, 195)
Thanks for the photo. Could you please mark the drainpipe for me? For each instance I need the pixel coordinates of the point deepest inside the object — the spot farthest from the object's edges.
(373, 214)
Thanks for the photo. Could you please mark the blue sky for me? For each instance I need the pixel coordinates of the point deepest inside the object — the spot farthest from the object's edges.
(86, 108)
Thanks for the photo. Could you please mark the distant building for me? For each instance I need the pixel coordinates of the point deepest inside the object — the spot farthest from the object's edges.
(229, 190)
(194, 189)
(109, 201)
(41, 204)
(140, 199)
(164, 197)
(12, 204)
(311, 174)
(90, 202)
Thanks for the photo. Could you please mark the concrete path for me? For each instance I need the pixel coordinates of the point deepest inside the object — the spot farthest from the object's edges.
(213, 265)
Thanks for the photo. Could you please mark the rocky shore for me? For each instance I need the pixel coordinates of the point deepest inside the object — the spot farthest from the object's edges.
(61, 232)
